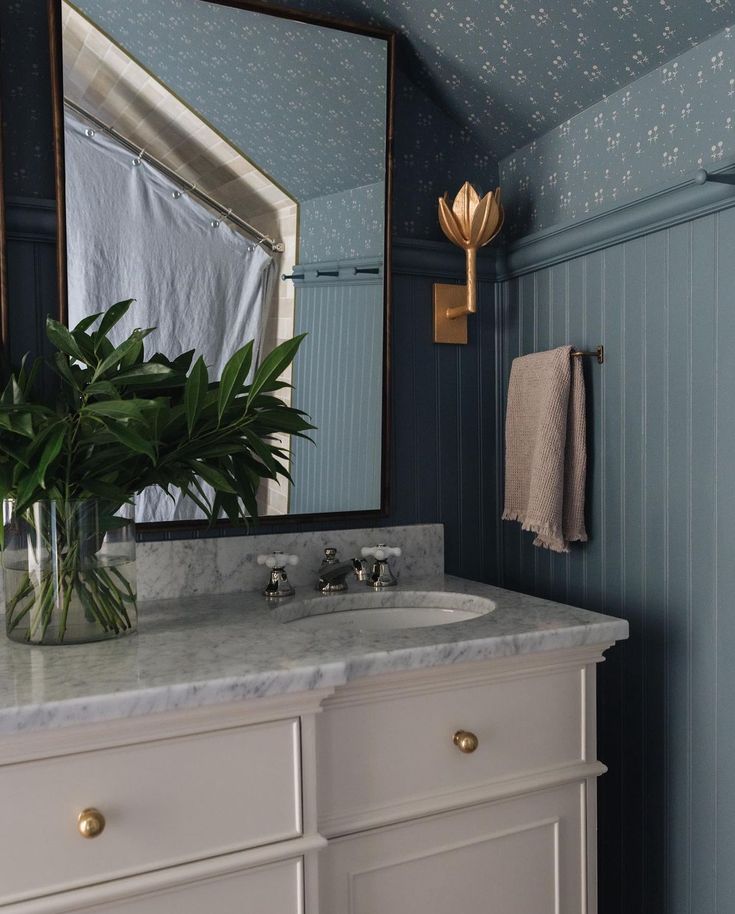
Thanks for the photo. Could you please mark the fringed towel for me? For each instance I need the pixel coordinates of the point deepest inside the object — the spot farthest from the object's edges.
(545, 449)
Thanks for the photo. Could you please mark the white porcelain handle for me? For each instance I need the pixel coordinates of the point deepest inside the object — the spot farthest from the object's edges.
(278, 560)
(381, 551)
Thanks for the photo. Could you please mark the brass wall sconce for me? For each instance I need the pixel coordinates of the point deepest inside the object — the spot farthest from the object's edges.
(470, 223)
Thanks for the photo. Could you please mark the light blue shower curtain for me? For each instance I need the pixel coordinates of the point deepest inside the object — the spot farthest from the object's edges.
(132, 234)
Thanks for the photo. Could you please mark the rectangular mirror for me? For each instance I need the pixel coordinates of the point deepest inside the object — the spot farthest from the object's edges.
(228, 166)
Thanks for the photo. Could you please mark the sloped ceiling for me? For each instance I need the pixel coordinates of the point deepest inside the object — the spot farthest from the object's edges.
(306, 103)
(506, 70)
(513, 69)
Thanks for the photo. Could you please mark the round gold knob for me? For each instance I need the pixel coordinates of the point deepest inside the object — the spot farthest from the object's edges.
(465, 741)
(90, 823)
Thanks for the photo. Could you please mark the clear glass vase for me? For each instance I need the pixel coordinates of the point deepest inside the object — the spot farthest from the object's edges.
(69, 571)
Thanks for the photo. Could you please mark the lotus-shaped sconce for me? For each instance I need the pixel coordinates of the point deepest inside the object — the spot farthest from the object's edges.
(470, 222)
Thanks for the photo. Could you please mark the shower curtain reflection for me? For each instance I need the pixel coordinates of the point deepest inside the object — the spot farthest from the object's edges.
(132, 233)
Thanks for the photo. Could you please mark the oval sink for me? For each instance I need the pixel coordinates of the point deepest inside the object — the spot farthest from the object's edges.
(383, 611)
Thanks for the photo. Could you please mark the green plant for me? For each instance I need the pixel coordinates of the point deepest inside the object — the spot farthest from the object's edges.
(115, 423)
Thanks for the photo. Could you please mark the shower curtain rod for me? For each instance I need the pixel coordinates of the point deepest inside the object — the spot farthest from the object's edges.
(191, 189)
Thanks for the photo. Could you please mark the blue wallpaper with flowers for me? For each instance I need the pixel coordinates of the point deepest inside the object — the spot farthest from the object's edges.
(646, 137)
(344, 225)
(510, 70)
(306, 103)
(26, 99)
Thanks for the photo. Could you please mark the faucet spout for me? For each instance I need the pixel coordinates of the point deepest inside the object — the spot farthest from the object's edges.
(333, 577)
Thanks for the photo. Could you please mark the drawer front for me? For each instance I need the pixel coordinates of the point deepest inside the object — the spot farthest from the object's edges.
(164, 802)
(375, 755)
(520, 856)
(273, 889)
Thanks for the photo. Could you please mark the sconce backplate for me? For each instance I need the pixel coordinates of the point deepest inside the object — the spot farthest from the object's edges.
(446, 330)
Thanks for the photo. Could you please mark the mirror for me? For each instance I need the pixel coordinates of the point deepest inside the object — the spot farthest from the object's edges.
(227, 166)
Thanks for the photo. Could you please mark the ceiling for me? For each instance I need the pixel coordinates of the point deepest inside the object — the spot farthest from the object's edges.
(306, 103)
(513, 69)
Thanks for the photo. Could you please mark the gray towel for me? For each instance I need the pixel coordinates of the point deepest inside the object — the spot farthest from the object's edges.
(545, 448)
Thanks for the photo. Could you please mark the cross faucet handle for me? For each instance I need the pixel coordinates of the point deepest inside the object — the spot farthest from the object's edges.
(381, 551)
(278, 584)
(278, 560)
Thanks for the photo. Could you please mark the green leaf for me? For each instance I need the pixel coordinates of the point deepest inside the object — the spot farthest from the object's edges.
(63, 368)
(86, 322)
(213, 476)
(233, 377)
(183, 362)
(194, 392)
(119, 409)
(114, 315)
(103, 389)
(145, 374)
(132, 440)
(62, 339)
(134, 356)
(22, 424)
(131, 344)
(274, 364)
(50, 452)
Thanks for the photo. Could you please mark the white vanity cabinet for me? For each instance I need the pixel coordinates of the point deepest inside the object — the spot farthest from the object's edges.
(417, 825)
(349, 800)
(204, 810)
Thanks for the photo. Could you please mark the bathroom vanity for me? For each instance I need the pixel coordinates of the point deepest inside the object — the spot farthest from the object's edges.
(242, 760)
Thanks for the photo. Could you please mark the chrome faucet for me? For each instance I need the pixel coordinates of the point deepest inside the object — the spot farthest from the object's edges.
(278, 584)
(333, 574)
(373, 569)
(380, 574)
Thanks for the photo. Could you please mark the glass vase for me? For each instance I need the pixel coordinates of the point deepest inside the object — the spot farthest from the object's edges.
(69, 571)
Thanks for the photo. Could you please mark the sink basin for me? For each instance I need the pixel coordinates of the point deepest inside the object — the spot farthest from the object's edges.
(366, 612)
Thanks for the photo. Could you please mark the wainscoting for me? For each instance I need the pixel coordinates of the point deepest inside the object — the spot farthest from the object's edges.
(661, 520)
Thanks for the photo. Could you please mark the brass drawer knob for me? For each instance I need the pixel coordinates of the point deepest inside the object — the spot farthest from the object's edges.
(90, 823)
(465, 741)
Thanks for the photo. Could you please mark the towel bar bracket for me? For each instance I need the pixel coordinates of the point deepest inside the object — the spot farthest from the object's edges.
(598, 352)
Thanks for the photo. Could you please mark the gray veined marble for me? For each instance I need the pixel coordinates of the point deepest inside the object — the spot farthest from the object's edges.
(203, 650)
(176, 568)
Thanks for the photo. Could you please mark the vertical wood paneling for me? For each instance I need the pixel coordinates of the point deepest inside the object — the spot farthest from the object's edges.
(511, 346)
(576, 311)
(656, 459)
(677, 671)
(338, 383)
(661, 519)
(702, 596)
(725, 568)
(630, 736)
(594, 295)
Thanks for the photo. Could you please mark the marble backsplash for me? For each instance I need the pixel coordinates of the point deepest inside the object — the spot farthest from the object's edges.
(176, 568)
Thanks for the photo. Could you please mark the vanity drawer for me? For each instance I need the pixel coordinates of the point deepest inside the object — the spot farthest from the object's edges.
(394, 757)
(164, 802)
(273, 889)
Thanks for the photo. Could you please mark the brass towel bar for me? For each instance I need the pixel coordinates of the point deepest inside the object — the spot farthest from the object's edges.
(598, 352)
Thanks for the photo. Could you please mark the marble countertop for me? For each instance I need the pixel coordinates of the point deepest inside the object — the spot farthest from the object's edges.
(203, 650)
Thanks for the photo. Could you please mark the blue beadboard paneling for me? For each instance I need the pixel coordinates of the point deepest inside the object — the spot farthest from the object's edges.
(338, 381)
(661, 519)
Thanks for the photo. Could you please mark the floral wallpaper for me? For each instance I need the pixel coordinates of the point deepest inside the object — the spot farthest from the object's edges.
(306, 103)
(510, 70)
(456, 59)
(340, 226)
(648, 136)
(26, 100)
